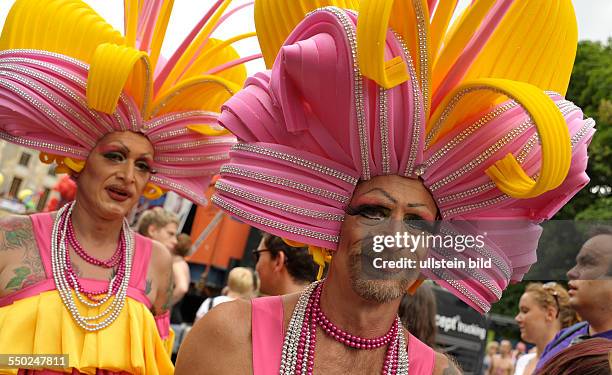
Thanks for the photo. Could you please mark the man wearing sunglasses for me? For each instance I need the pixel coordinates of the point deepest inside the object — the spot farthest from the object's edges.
(590, 290)
(283, 269)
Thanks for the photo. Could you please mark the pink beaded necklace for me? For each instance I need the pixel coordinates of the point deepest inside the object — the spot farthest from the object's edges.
(110, 263)
(118, 259)
(301, 360)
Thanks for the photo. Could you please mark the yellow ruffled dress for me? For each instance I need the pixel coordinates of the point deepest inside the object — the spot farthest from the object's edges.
(35, 321)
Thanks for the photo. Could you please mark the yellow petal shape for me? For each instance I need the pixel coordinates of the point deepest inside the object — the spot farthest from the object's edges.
(535, 42)
(457, 38)
(320, 256)
(75, 165)
(67, 27)
(216, 53)
(375, 17)
(131, 10)
(275, 19)
(208, 130)
(113, 68)
(507, 174)
(186, 59)
(203, 92)
(160, 32)
(439, 24)
(293, 243)
(371, 35)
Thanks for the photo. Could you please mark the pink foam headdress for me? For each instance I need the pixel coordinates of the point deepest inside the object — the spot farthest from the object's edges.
(484, 139)
(64, 88)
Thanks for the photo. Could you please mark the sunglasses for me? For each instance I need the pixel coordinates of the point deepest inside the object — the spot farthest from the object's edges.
(550, 286)
(256, 253)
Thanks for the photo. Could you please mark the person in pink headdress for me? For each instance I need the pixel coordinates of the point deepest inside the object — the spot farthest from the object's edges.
(377, 118)
(79, 282)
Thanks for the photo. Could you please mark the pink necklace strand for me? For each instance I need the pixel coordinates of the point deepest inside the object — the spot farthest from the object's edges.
(314, 316)
(73, 280)
(110, 263)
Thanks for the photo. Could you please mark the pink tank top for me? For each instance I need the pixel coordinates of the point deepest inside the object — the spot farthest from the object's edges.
(42, 225)
(268, 334)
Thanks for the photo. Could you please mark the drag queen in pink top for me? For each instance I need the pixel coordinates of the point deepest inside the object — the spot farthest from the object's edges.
(123, 122)
(381, 120)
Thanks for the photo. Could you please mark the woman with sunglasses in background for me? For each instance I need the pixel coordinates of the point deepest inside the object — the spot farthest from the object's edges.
(543, 311)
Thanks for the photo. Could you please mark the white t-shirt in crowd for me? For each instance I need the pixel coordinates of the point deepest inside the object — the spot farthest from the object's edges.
(207, 305)
(522, 363)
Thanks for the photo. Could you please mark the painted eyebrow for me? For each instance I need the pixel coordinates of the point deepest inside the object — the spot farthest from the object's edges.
(388, 196)
(126, 150)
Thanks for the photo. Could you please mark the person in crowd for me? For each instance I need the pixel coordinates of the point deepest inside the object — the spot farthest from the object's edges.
(590, 293)
(159, 225)
(520, 349)
(502, 363)
(180, 268)
(418, 314)
(79, 281)
(162, 226)
(590, 357)
(543, 311)
(182, 275)
(283, 269)
(491, 351)
(355, 134)
(242, 283)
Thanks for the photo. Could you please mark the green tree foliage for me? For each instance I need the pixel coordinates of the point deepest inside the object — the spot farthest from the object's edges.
(591, 89)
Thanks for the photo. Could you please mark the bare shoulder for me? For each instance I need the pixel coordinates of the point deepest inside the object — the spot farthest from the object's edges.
(446, 366)
(161, 258)
(159, 279)
(219, 343)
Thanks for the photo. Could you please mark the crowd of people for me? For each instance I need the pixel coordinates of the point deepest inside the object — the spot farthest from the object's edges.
(373, 119)
(554, 320)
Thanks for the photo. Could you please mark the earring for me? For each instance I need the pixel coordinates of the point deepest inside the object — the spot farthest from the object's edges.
(152, 191)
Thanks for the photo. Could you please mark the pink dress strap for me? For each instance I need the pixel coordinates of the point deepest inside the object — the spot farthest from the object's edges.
(42, 226)
(140, 262)
(422, 358)
(267, 319)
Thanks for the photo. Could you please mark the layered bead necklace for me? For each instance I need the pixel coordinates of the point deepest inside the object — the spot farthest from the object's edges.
(66, 279)
(299, 345)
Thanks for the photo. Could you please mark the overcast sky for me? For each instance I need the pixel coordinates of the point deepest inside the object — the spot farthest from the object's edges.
(594, 21)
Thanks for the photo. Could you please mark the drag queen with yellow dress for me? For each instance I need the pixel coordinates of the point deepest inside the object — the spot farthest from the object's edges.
(105, 108)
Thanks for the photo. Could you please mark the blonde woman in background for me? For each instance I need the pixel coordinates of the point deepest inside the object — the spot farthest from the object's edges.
(491, 351)
(242, 283)
(543, 311)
